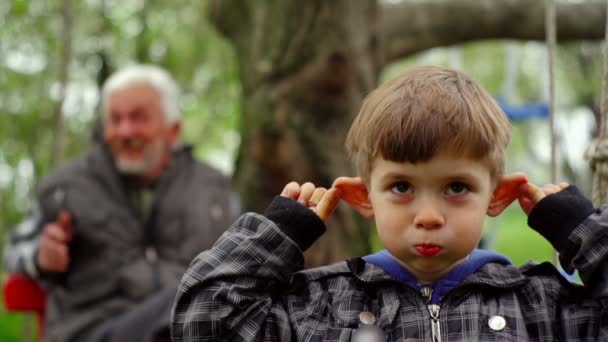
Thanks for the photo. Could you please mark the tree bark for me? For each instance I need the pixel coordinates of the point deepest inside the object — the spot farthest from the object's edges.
(305, 67)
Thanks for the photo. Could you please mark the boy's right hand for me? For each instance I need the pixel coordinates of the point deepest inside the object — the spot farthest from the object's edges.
(531, 194)
(320, 200)
(53, 252)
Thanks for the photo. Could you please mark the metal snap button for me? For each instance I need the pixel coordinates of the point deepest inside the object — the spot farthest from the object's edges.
(367, 331)
(497, 323)
(367, 317)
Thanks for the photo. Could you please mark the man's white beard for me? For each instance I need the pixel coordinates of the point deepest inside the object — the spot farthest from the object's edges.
(151, 157)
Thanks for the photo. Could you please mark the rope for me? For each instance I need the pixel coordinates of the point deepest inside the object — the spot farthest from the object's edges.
(604, 102)
(551, 37)
(597, 153)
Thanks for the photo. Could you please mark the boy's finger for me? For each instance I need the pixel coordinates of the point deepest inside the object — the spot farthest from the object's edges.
(328, 203)
(549, 189)
(291, 190)
(563, 185)
(526, 204)
(306, 191)
(533, 192)
(316, 196)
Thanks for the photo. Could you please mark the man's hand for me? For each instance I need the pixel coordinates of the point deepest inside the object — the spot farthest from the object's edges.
(320, 200)
(53, 253)
(531, 194)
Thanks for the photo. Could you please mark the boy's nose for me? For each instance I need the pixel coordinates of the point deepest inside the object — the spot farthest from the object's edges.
(429, 217)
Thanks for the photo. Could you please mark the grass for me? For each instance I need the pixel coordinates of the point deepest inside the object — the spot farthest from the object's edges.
(12, 326)
(516, 240)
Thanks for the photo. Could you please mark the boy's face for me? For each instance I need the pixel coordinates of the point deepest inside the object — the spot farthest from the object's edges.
(430, 215)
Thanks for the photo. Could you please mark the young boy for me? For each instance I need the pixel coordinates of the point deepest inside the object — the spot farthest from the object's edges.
(430, 148)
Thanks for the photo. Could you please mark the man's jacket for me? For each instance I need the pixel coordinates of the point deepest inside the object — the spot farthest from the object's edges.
(250, 287)
(118, 257)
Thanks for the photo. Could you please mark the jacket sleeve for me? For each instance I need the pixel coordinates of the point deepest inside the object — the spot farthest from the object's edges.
(235, 290)
(580, 234)
(21, 245)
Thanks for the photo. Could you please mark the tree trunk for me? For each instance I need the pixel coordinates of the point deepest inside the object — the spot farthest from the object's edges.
(306, 66)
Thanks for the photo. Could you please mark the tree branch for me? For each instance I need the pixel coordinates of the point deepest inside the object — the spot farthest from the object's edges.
(410, 27)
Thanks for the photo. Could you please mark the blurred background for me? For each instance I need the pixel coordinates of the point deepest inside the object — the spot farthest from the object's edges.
(270, 88)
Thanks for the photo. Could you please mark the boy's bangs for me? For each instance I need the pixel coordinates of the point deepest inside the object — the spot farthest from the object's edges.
(433, 137)
(413, 117)
(417, 129)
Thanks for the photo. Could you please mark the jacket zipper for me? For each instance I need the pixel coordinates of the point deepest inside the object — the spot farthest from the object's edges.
(435, 326)
(434, 309)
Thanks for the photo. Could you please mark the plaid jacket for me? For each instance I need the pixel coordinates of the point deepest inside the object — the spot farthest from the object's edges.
(250, 287)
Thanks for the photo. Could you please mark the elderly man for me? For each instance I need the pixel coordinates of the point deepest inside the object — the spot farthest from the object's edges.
(111, 233)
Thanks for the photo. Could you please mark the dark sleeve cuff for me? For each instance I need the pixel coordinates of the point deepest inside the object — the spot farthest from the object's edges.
(298, 222)
(558, 214)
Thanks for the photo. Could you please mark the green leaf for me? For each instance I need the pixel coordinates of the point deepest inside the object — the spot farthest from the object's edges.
(19, 7)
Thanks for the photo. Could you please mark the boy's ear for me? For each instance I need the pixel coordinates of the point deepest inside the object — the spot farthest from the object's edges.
(354, 192)
(507, 191)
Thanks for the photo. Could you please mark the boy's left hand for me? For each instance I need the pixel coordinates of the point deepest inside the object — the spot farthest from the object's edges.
(320, 200)
(531, 194)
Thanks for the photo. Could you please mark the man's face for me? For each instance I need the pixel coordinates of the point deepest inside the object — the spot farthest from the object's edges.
(137, 132)
(430, 214)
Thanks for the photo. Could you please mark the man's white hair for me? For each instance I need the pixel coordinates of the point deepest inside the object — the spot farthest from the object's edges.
(151, 75)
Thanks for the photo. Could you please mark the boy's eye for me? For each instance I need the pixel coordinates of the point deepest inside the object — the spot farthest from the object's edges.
(457, 188)
(401, 188)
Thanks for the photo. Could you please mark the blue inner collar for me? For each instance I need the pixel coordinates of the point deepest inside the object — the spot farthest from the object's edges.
(475, 260)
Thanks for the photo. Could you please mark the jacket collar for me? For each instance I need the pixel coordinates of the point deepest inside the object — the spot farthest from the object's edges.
(491, 274)
(475, 260)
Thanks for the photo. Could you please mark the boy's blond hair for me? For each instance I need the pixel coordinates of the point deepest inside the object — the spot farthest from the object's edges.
(424, 110)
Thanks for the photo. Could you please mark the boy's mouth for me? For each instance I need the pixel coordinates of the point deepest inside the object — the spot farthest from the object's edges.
(428, 249)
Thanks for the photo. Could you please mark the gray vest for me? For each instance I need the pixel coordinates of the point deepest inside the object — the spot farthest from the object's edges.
(117, 259)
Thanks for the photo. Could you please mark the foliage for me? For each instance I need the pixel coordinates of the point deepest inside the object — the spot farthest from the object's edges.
(107, 34)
